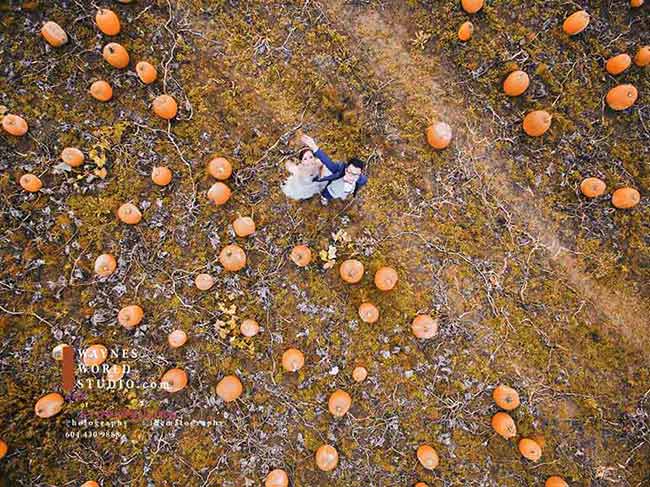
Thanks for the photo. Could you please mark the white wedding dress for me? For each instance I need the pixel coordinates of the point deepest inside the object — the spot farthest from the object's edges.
(300, 185)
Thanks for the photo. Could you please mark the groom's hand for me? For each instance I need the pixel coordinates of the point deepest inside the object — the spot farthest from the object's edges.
(309, 142)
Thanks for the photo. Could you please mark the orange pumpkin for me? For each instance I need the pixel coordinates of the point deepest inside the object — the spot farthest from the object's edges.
(161, 175)
(504, 425)
(244, 226)
(293, 360)
(276, 478)
(385, 278)
(115, 373)
(428, 457)
(576, 22)
(465, 31)
(359, 374)
(424, 327)
(555, 481)
(421, 484)
(642, 56)
(130, 316)
(368, 312)
(116, 55)
(30, 183)
(219, 193)
(537, 123)
(622, 97)
(90, 483)
(471, 6)
(3, 448)
(54, 34)
(625, 198)
(229, 388)
(108, 22)
(530, 449)
(165, 107)
(49, 405)
(301, 255)
(220, 168)
(351, 271)
(177, 338)
(249, 328)
(505, 397)
(592, 187)
(617, 64)
(72, 156)
(204, 282)
(516, 83)
(327, 458)
(174, 380)
(439, 135)
(129, 213)
(14, 125)
(105, 265)
(232, 258)
(95, 355)
(636, 3)
(101, 90)
(146, 72)
(339, 403)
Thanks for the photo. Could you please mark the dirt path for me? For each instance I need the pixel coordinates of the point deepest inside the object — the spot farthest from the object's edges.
(432, 95)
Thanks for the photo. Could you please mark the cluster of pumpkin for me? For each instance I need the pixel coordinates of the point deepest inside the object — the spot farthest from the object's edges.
(507, 399)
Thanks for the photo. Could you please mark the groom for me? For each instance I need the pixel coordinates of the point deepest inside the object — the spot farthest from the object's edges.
(343, 180)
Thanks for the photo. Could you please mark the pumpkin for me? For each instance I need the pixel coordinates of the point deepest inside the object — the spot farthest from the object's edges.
(428, 457)
(14, 125)
(165, 107)
(359, 374)
(220, 168)
(90, 483)
(617, 64)
(516, 83)
(130, 316)
(105, 265)
(54, 34)
(174, 380)
(368, 312)
(229, 388)
(146, 72)
(504, 425)
(115, 373)
(128, 213)
(642, 56)
(351, 271)
(636, 3)
(505, 397)
(622, 97)
(555, 481)
(530, 449)
(3, 448)
(249, 328)
(327, 458)
(72, 156)
(536, 123)
(424, 326)
(161, 175)
(204, 282)
(177, 338)
(276, 478)
(293, 360)
(471, 6)
(116, 55)
(107, 21)
(301, 255)
(30, 183)
(625, 198)
(576, 22)
(49, 405)
(232, 258)
(592, 187)
(339, 403)
(465, 32)
(95, 355)
(439, 135)
(244, 226)
(101, 90)
(219, 193)
(385, 278)
(421, 484)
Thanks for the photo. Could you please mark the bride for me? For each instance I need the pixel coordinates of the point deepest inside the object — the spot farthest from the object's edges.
(300, 185)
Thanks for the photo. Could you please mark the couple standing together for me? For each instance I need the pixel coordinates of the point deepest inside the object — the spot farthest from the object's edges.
(316, 173)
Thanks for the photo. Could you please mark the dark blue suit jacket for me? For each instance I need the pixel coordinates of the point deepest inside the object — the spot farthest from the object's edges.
(338, 170)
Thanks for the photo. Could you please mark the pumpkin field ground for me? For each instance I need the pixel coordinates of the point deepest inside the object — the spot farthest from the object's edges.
(534, 285)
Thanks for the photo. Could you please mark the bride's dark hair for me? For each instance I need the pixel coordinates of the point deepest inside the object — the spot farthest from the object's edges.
(302, 153)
